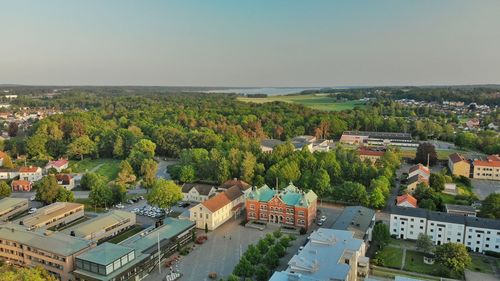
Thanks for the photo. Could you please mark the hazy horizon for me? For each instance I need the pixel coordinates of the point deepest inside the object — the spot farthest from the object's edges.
(223, 43)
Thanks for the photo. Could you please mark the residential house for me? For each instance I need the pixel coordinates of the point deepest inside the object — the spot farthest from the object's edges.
(420, 170)
(268, 145)
(462, 210)
(445, 228)
(243, 186)
(357, 219)
(65, 180)
(10, 207)
(290, 206)
(458, 165)
(414, 181)
(370, 153)
(482, 234)
(488, 169)
(329, 254)
(21, 186)
(473, 123)
(407, 222)
(53, 251)
(59, 165)
(8, 174)
(406, 200)
(30, 173)
(215, 211)
(197, 192)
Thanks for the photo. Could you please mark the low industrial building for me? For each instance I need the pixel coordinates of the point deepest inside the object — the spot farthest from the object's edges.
(360, 220)
(197, 192)
(371, 154)
(462, 210)
(103, 226)
(135, 257)
(10, 207)
(53, 251)
(477, 234)
(268, 145)
(329, 254)
(289, 206)
(56, 214)
(377, 138)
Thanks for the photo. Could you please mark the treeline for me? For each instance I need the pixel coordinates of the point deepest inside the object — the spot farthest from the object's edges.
(489, 95)
(338, 174)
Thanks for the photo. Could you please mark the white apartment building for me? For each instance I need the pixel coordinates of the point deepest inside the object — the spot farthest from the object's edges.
(482, 234)
(478, 234)
(408, 223)
(445, 228)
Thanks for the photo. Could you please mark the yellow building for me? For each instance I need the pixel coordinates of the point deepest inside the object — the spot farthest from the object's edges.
(217, 210)
(458, 165)
(488, 169)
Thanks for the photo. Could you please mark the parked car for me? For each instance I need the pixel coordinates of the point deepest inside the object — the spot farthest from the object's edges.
(183, 204)
(322, 219)
(32, 211)
(33, 197)
(120, 206)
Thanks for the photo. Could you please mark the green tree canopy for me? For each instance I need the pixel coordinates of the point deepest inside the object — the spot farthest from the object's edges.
(164, 194)
(453, 256)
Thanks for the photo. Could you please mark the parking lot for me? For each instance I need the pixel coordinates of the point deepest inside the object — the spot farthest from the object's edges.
(483, 188)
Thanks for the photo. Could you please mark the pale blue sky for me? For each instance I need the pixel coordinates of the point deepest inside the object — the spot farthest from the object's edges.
(250, 43)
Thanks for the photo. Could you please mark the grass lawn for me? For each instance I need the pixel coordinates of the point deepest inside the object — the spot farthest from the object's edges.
(391, 256)
(317, 101)
(389, 274)
(415, 262)
(124, 235)
(109, 167)
(480, 264)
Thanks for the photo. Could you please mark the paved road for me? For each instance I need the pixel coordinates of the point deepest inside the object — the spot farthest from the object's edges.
(77, 193)
(162, 167)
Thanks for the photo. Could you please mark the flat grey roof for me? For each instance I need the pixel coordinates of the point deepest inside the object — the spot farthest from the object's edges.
(460, 208)
(445, 217)
(355, 218)
(105, 254)
(409, 211)
(483, 222)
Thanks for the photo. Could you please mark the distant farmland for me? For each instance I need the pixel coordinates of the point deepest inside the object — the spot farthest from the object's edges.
(319, 102)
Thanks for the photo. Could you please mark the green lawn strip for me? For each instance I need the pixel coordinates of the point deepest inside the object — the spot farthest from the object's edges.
(85, 165)
(391, 256)
(480, 264)
(415, 262)
(126, 234)
(390, 274)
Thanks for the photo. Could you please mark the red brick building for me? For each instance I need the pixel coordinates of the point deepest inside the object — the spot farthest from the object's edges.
(289, 206)
(21, 186)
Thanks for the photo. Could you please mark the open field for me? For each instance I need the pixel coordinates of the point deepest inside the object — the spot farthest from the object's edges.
(105, 167)
(89, 206)
(480, 264)
(318, 101)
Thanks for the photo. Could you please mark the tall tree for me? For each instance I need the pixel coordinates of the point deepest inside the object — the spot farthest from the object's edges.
(148, 170)
(7, 162)
(13, 128)
(118, 148)
(126, 174)
(47, 189)
(426, 152)
(89, 180)
(187, 174)
(81, 146)
(453, 256)
(164, 194)
(381, 234)
(424, 243)
(101, 196)
(5, 189)
(490, 207)
(248, 167)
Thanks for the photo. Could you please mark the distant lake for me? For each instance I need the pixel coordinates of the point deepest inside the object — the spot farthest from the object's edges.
(268, 91)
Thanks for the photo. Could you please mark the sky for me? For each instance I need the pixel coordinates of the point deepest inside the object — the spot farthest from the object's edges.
(278, 43)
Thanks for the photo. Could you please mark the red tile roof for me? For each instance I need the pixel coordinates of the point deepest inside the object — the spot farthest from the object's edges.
(58, 163)
(222, 199)
(493, 157)
(230, 183)
(371, 152)
(407, 198)
(421, 168)
(2, 155)
(65, 178)
(30, 169)
(487, 163)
